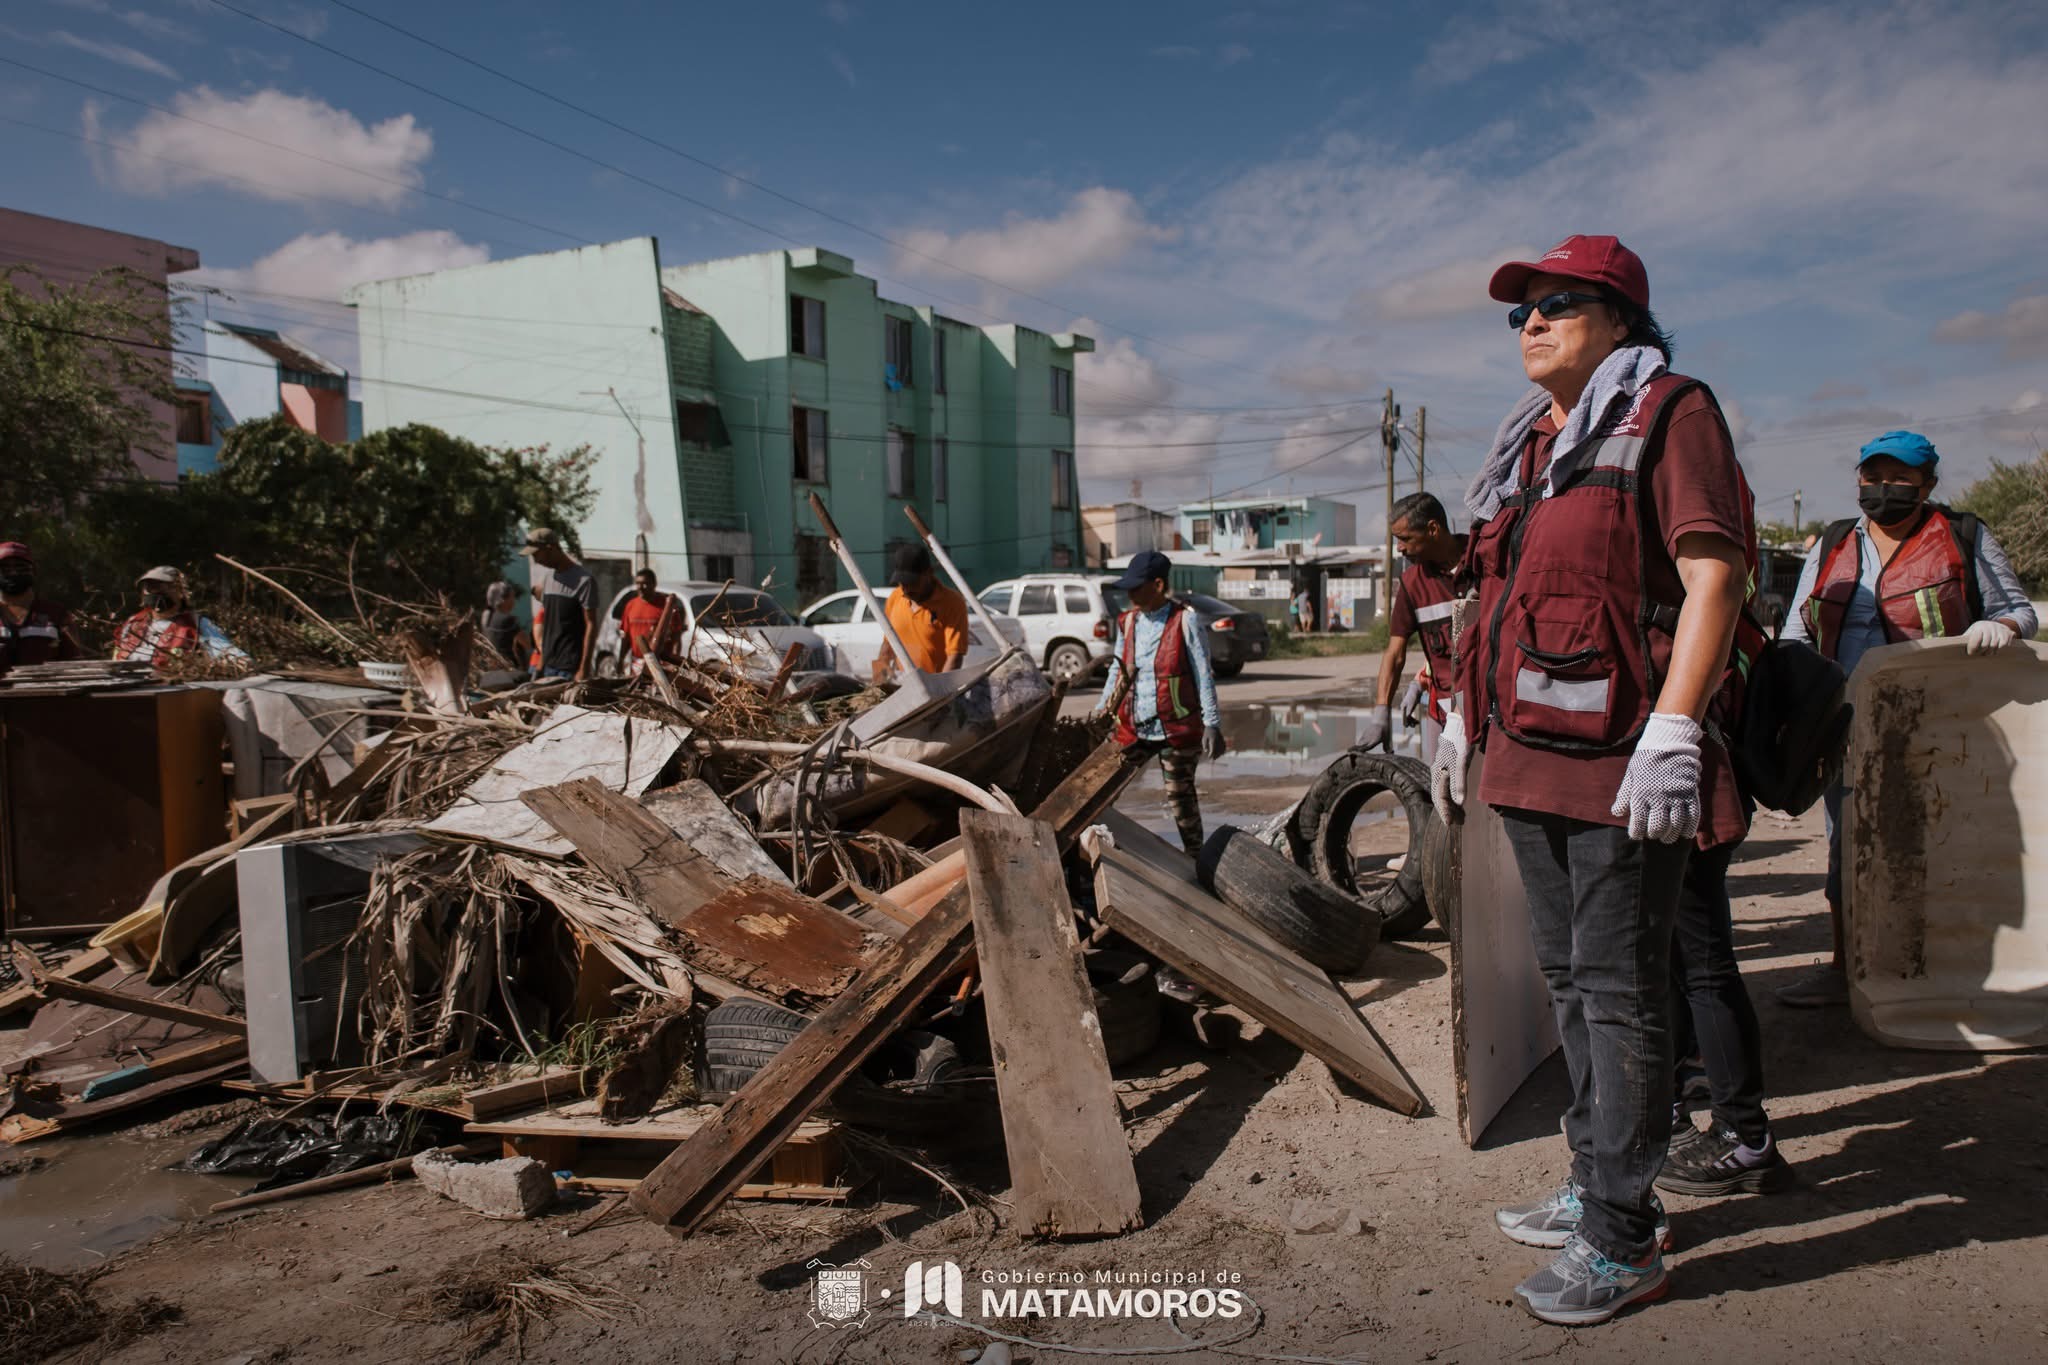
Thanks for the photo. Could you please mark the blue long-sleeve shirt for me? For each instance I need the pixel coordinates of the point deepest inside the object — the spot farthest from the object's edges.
(1151, 625)
(1863, 624)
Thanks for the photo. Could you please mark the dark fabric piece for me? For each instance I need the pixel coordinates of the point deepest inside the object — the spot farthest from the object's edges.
(501, 628)
(1718, 1020)
(566, 595)
(38, 638)
(1601, 913)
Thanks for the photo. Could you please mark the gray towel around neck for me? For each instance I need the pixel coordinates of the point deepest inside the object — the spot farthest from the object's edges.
(1619, 377)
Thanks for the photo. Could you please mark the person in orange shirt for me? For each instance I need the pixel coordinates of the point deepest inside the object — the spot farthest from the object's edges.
(930, 618)
(642, 613)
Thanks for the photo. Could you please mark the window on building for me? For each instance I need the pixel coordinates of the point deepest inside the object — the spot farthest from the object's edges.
(1062, 390)
(1037, 599)
(1063, 558)
(902, 471)
(897, 335)
(942, 454)
(697, 424)
(938, 358)
(720, 568)
(817, 572)
(807, 441)
(1199, 530)
(1062, 479)
(807, 326)
(195, 419)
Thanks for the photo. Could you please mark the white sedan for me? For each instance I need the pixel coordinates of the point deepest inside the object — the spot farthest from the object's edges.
(744, 626)
(855, 637)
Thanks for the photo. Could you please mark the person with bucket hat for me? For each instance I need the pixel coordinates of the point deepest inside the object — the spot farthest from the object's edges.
(1907, 568)
(1611, 546)
(165, 626)
(33, 629)
(1162, 690)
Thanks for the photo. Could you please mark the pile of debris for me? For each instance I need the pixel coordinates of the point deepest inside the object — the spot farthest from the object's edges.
(560, 923)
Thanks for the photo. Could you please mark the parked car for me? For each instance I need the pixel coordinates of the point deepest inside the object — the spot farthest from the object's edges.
(1236, 637)
(855, 636)
(745, 625)
(1068, 618)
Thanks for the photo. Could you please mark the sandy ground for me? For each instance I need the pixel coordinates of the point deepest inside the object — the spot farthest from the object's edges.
(1918, 1232)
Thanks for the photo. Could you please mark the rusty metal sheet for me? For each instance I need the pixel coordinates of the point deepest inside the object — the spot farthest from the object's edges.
(767, 937)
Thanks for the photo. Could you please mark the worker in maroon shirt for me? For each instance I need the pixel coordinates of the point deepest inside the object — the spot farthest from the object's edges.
(33, 629)
(1611, 543)
(1423, 598)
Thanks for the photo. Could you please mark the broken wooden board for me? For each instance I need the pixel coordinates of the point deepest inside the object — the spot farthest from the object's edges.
(581, 1119)
(478, 1101)
(617, 752)
(1071, 1173)
(1228, 955)
(701, 819)
(642, 856)
(82, 965)
(766, 937)
(703, 1172)
(1502, 1023)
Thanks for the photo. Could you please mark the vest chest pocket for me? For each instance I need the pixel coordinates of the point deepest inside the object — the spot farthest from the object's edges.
(1561, 670)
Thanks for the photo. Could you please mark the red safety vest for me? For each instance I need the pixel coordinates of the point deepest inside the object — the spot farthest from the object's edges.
(1174, 673)
(1430, 593)
(1924, 589)
(1574, 648)
(180, 635)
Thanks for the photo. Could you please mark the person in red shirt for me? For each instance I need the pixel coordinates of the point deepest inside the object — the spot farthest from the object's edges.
(642, 613)
(1612, 540)
(33, 630)
(166, 626)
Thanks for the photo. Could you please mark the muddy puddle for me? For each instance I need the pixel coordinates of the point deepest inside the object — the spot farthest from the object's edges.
(98, 1193)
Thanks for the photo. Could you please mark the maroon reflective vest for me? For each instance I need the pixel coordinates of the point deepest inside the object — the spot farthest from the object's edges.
(1574, 648)
(1925, 589)
(1430, 594)
(1174, 673)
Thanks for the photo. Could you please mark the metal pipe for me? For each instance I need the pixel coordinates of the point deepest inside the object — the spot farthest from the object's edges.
(860, 583)
(908, 767)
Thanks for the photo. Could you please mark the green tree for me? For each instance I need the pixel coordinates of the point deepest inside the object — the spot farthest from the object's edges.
(74, 399)
(2013, 501)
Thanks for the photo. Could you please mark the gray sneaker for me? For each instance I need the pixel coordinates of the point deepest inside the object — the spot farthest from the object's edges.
(1582, 1287)
(1553, 1220)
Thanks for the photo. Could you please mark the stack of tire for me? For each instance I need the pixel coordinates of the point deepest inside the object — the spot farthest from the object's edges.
(1313, 903)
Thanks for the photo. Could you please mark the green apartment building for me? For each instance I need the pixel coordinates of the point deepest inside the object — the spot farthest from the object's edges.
(720, 395)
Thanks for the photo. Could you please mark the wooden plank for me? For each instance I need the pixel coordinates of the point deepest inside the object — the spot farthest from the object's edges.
(1225, 953)
(768, 938)
(701, 819)
(808, 1194)
(20, 1127)
(56, 988)
(506, 1097)
(690, 1184)
(1070, 1166)
(618, 837)
(81, 965)
(1502, 1023)
(582, 1120)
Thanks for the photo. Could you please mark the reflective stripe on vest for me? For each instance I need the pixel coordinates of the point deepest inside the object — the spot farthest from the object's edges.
(1922, 592)
(1170, 665)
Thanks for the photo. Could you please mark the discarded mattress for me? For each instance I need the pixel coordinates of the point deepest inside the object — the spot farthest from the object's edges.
(1945, 847)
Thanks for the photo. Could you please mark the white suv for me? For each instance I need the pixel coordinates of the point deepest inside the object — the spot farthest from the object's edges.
(1069, 618)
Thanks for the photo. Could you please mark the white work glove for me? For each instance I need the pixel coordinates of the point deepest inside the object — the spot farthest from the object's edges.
(1377, 732)
(1212, 742)
(1660, 792)
(1988, 637)
(1447, 766)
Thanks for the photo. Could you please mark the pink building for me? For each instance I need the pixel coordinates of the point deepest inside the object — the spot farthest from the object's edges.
(72, 253)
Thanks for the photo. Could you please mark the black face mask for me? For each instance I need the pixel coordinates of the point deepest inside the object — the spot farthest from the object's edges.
(1887, 504)
(15, 584)
(163, 602)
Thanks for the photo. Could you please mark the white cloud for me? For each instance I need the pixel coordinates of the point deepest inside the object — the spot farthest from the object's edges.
(1127, 427)
(1230, 54)
(118, 53)
(845, 70)
(2022, 329)
(153, 25)
(1098, 227)
(320, 265)
(1454, 289)
(239, 142)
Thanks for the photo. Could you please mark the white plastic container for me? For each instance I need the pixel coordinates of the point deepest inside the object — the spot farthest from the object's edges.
(1945, 847)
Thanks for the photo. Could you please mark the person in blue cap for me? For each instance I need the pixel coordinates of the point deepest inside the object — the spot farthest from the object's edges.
(1907, 568)
(1162, 689)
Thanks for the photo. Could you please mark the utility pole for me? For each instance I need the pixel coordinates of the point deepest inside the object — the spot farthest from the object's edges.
(1798, 526)
(1390, 436)
(1421, 449)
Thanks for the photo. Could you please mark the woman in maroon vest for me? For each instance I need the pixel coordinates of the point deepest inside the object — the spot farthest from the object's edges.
(1611, 533)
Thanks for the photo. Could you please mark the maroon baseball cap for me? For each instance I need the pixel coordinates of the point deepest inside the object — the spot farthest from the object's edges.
(14, 549)
(1601, 260)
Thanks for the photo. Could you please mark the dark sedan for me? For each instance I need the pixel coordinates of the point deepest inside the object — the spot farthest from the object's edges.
(1236, 637)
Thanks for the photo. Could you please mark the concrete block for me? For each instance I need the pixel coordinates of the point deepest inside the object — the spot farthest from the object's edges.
(515, 1187)
(1308, 1216)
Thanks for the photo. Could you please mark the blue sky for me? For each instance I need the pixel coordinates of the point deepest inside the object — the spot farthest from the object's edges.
(1265, 213)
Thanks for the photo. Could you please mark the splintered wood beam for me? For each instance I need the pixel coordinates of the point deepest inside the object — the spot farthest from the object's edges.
(1071, 1173)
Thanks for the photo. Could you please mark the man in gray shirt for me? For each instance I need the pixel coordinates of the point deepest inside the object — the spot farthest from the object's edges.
(568, 600)
(1907, 568)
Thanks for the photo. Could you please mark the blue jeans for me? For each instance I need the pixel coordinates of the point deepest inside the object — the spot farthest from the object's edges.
(547, 673)
(1602, 907)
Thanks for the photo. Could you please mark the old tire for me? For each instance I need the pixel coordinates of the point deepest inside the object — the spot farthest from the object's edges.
(740, 1035)
(1331, 929)
(1442, 872)
(1322, 825)
(1128, 1011)
(1228, 670)
(1066, 662)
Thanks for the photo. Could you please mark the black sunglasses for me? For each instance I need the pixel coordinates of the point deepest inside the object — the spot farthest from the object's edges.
(1550, 305)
